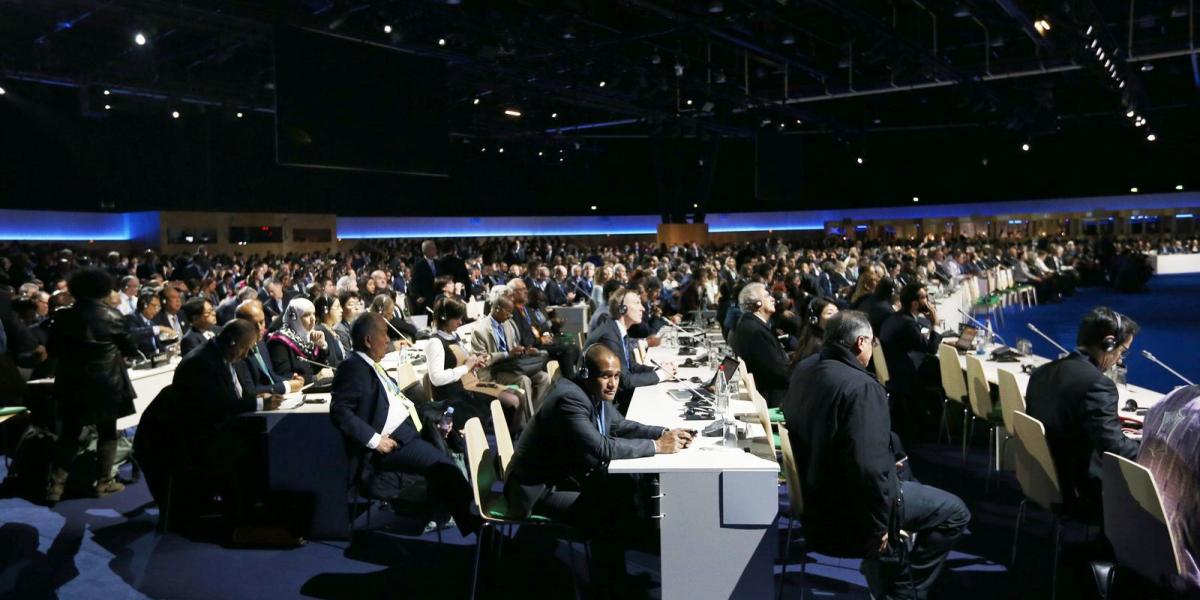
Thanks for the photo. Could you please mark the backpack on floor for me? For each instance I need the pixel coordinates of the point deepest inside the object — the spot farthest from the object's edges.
(30, 468)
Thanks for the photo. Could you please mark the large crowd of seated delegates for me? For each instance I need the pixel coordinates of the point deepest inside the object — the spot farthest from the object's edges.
(296, 318)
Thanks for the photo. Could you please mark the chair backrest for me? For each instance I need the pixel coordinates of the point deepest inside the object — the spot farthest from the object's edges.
(475, 309)
(1035, 468)
(764, 417)
(791, 474)
(971, 285)
(1011, 397)
(1135, 521)
(552, 368)
(406, 375)
(880, 362)
(504, 444)
(748, 385)
(978, 390)
(481, 464)
(952, 374)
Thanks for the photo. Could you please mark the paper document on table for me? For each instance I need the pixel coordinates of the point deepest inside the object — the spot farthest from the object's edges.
(290, 403)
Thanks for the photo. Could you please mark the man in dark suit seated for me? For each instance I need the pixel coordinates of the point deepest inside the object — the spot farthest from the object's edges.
(170, 318)
(384, 428)
(626, 310)
(560, 469)
(754, 340)
(202, 320)
(1078, 405)
(141, 324)
(855, 501)
(210, 398)
(910, 345)
(256, 370)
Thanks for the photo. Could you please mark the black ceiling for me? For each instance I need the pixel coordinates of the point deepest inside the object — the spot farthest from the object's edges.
(852, 76)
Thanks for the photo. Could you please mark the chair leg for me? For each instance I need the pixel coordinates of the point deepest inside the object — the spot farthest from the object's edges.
(945, 423)
(787, 551)
(1054, 573)
(1012, 563)
(478, 550)
(965, 435)
(987, 477)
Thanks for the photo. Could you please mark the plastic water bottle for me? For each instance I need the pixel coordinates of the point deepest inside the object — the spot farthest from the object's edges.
(447, 422)
(722, 391)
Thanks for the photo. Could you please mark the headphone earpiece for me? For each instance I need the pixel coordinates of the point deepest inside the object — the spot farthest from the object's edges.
(1111, 342)
(813, 317)
(582, 373)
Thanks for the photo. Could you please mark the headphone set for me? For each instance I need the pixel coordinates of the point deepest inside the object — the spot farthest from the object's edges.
(813, 317)
(582, 373)
(1111, 342)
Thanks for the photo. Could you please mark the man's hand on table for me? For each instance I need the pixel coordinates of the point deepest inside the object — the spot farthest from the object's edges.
(672, 441)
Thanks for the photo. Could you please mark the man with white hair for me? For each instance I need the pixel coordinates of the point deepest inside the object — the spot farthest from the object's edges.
(425, 270)
(754, 340)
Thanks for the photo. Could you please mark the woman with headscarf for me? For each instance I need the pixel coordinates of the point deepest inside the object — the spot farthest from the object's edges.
(298, 341)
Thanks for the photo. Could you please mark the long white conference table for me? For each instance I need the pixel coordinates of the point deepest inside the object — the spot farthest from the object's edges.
(1169, 264)
(717, 504)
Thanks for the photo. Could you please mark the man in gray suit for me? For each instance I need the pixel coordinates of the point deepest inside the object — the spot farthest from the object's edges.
(497, 337)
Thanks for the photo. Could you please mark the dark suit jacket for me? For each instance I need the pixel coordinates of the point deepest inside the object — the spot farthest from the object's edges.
(563, 443)
(421, 285)
(359, 410)
(878, 310)
(756, 344)
(143, 333)
(255, 381)
(556, 295)
(206, 394)
(1078, 406)
(632, 375)
(272, 309)
(840, 430)
(905, 350)
(194, 339)
(162, 320)
(455, 267)
(337, 351)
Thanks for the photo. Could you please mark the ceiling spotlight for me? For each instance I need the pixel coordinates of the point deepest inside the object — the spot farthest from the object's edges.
(716, 6)
(689, 102)
(1042, 26)
(593, 207)
(916, 199)
(553, 115)
(139, 39)
(2, 91)
(1025, 147)
(483, 149)
(1107, 64)
(240, 115)
(655, 59)
(174, 114)
(475, 101)
(501, 150)
(539, 153)
(695, 206)
(1133, 190)
(107, 107)
(1094, 43)
(560, 159)
(1090, 29)
(1150, 137)
(602, 83)
(799, 122)
(387, 28)
(1130, 114)
(788, 39)
(512, 113)
(107, 93)
(859, 160)
(1179, 187)
(1147, 67)
(1121, 85)
(441, 41)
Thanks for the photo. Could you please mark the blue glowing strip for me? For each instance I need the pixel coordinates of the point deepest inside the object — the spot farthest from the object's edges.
(400, 227)
(38, 225)
(1184, 216)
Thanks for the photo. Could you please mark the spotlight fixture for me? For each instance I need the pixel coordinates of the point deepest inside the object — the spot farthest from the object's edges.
(1090, 29)
(603, 83)
(107, 93)
(553, 115)
(859, 160)
(1133, 190)
(475, 101)
(916, 199)
(240, 115)
(655, 59)
(593, 206)
(716, 6)
(1147, 67)
(483, 149)
(387, 28)
(695, 206)
(1025, 147)
(139, 38)
(689, 102)
(2, 91)
(1121, 85)
(174, 114)
(107, 107)
(441, 41)
(1042, 26)
(501, 150)
(1179, 187)
(1130, 114)
(560, 159)
(540, 152)
(1150, 137)
(512, 112)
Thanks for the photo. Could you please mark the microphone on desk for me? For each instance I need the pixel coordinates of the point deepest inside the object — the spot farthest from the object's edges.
(1047, 338)
(681, 330)
(398, 332)
(1160, 363)
(313, 362)
(982, 325)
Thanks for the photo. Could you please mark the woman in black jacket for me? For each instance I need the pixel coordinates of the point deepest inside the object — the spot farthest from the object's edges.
(91, 386)
(298, 342)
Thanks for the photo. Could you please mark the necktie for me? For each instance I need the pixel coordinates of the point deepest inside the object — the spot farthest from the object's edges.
(394, 390)
(500, 341)
(237, 385)
(625, 349)
(600, 420)
(262, 365)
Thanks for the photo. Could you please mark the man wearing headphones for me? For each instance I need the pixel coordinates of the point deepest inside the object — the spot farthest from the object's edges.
(560, 469)
(1078, 405)
(626, 309)
(754, 341)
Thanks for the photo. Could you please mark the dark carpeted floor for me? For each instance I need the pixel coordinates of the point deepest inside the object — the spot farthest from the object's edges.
(88, 548)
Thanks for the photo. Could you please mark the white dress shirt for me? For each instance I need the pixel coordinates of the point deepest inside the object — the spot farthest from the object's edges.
(435, 358)
(398, 404)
